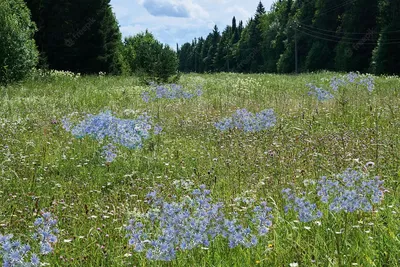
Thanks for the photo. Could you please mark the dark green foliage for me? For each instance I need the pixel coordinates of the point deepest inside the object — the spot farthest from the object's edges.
(387, 54)
(354, 52)
(83, 36)
(326, 24)
(147, 56)
(302, 12)
(223, 54)
(212, 51)
(274, 33)
(243, 51)
(79, 36)
(235, 32)
(331, 35)
(255, 40)
(206, 53)
(185, 62)
(18, 53)
(113, 60)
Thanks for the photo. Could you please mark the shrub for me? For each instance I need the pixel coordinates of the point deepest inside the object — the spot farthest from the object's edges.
(149, 58)
(18, 53)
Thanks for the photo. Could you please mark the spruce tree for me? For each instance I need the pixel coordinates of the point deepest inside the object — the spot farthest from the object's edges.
(268, 47)
(206, 55)
(302, 11)
(184, 52)
(222, 56)
(80, 36)
(243, 52)
(324, 33)
(199, 60)
(255, 40)
(276, 34)
(360, 32)
(386, 56)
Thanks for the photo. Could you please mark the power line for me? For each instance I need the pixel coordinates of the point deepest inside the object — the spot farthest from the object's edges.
(310, 31)
(335, 7)
(333, 36)
(340, 32)
(347, 42)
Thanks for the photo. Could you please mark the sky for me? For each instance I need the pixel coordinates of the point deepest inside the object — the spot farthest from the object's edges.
(180, 21)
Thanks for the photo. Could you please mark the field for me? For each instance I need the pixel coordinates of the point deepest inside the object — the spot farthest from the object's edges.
(45, 168)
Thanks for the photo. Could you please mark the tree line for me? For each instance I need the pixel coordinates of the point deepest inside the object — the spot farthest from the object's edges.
(80, 36)
(296, 35)
(303, 36)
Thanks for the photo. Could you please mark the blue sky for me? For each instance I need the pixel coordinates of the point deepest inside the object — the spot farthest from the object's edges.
(179, 21)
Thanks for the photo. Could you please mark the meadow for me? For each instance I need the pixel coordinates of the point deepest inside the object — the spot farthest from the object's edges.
(214, 175)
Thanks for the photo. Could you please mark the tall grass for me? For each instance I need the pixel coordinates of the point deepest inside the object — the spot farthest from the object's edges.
(43, 167)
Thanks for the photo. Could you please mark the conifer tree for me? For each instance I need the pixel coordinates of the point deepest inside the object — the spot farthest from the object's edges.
(324, 33)
(360, 32)
(206, 55)
(80, 36)
(386, 56)
(275, 33)
(255, 40)
(331, 34)
(302, 11)
(222, 56)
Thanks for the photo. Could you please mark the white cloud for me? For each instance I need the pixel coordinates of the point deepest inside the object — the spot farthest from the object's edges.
(180, 21)
(166, 8)
(173, 8)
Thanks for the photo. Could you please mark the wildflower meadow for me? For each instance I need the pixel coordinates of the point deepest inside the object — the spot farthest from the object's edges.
(215, 170)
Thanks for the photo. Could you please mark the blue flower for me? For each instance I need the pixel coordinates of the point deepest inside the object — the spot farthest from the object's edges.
(352, 76)
(320, 93)
(194, 221)
(14, 253)
(336, 83)
(168, 91)
(128, 133)
(350, 191)
(109, 152)
(305, 210)
(46, 232)
(368, 82)
(157, 129)
(247, 121)
(35, 261)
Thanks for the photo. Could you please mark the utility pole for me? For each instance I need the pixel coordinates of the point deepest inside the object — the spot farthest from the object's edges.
(295, 48)
(227, 56)
(195, 59)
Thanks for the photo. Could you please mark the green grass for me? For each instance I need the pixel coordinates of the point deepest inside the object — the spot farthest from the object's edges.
(43, 167)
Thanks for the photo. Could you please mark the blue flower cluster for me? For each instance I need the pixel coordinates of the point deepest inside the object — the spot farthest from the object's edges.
(195, 221)
(14, 253)
(109, 153)
(368, 82)
(168, 91)
(352, 76)
(128, 133)
(349, 191)
(306, 210)
(336, 83)
(320, 93)
(244, 120)
(46, 232)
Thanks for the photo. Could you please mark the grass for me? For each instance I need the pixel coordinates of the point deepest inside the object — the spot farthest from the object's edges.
(43, 167)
